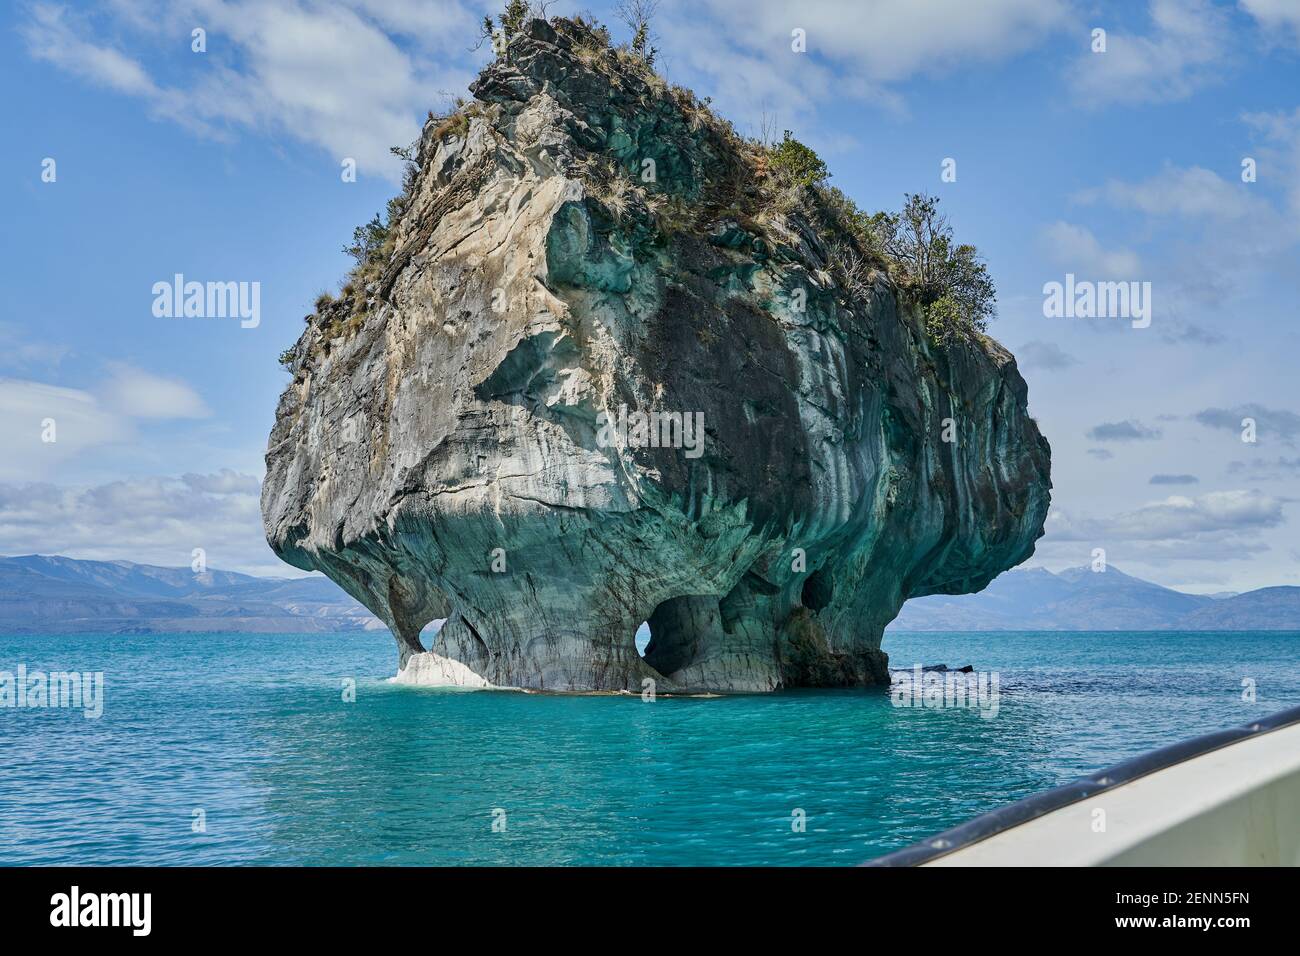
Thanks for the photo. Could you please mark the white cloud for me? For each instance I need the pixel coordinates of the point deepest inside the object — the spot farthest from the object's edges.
(1217, 518)
(139, 394)
(1218, 231)
(328, 74)
(224, 482)
(1191, 193)
(156, 520)
(741, 49)
(894, 39)
(1275, 15)
(1181, 517)
(1279, 155)
(52, 36)
(1184, 51)
(1156, 560)
(33, 412)
(436, 24)
(1078, 250)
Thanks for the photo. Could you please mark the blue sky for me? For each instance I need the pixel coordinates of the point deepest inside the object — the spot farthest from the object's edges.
(225, 166)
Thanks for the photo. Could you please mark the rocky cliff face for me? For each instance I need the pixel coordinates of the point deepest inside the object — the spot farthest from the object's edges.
(583, 247)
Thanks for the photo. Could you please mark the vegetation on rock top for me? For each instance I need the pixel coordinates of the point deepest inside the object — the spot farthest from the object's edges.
(757, 181)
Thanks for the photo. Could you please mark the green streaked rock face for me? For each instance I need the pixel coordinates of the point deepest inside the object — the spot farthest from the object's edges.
(507, 439)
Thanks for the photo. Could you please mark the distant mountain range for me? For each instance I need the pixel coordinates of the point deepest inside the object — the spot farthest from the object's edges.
(1080, 599)
(51, 594)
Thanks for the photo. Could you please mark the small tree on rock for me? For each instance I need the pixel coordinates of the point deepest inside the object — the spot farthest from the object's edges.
(637, 14)
(951, 281)
(367, 241)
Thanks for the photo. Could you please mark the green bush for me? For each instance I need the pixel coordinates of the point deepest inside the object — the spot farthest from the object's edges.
(950, 281)
(796, 163)
(368, 241)
(943, 320)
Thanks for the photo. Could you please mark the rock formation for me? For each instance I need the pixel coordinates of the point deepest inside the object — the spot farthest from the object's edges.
(580, 247)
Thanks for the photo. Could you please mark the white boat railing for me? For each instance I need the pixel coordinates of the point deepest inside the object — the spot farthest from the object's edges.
(1229, 798)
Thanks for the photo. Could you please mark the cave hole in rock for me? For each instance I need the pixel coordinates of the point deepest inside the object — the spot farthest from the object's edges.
(642, 637)
(675, 629)
(818, 590)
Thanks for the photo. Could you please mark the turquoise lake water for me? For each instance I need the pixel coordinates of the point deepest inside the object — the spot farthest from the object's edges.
(253, 731)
